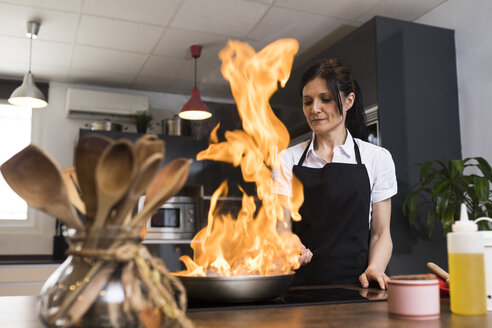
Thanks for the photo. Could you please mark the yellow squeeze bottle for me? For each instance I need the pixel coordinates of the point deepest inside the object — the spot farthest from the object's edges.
(466, 267)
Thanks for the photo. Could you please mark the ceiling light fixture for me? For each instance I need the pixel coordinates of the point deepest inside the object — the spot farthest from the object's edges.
(28, 94)
(195, 108)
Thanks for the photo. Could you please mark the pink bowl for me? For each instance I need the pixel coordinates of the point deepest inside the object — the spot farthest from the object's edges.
(414, 297)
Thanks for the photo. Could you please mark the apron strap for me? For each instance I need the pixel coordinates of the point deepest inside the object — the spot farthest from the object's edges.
(356, 150)
(303, 157)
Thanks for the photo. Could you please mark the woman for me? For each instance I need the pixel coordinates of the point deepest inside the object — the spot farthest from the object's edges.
(348, 184)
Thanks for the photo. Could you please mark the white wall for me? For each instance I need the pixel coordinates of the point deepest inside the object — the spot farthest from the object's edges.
(472, 22)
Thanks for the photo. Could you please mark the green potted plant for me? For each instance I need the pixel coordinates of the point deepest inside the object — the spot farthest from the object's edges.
(142, 121)
(442, 187)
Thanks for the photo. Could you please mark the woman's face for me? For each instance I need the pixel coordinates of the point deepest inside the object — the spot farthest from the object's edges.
(320, 108)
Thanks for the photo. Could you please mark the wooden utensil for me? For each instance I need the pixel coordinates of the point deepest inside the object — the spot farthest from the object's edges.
(115, 170)
(439, 271)
(73, 176)
(151, 318)
(91, 290)
(147, 145)
(87, 152)
(73, 193)
(166, 184)
(143, 177)
(34, 175)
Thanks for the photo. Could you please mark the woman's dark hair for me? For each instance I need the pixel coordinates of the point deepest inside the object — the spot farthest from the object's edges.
(338, 77)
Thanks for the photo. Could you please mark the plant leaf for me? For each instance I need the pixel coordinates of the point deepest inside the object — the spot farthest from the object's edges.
(424, 170)
(442, 202)
(448, 218)
(431, 217)
(443, 166)
(440, 187)
(482, 186)
(443, 186)
(458, 165)
(413, 215)
(484, 167)
(428, 179)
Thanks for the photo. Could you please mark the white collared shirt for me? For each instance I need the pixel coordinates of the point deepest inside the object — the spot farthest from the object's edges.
(378, 161)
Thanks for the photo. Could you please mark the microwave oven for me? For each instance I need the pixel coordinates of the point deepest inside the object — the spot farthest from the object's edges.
(175, 220)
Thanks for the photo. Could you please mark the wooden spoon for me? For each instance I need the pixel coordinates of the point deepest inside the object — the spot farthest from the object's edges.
(166, 184)
(87, 152)
(144, 176)
(151, 318)
(115, 170)
(439, 271)
(91, 290)
(73, 193)
(148, 145)
(73, 176)
(34, 175)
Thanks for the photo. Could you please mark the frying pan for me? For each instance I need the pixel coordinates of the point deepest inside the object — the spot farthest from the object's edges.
(236, 289)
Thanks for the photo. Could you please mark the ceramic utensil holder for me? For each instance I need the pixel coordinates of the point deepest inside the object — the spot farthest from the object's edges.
(414, 297)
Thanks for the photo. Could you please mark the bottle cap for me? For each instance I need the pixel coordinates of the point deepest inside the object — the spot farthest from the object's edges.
(464, 225)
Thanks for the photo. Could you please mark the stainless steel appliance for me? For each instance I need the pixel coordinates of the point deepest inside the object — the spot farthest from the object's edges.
(372, 122)
(104, 126)
(236, 289)
(175, 126)
(175, 220)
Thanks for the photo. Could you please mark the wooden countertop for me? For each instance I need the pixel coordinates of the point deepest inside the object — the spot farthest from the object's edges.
(19, 311)
(360, 315)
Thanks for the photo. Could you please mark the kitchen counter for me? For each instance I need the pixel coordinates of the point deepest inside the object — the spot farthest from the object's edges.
(18, 311)
(360, 315)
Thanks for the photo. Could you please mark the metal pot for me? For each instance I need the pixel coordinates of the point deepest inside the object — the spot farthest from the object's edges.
(236, 289)
(175, 127)
(104, 126)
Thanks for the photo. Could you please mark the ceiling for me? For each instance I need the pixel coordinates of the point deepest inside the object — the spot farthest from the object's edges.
(145, 44)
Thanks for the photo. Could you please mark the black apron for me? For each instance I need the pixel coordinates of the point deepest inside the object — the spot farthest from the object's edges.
(335, 221)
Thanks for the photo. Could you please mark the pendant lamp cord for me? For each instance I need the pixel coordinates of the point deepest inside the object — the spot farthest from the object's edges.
(30, 52)
(195, 71)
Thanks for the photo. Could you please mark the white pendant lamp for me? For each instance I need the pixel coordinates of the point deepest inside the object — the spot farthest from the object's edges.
(28, 94)
(195, 108)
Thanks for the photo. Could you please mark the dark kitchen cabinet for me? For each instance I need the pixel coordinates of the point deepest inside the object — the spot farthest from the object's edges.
(409, 71)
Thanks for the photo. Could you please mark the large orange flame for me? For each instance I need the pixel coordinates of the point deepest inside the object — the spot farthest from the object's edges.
(251, 242)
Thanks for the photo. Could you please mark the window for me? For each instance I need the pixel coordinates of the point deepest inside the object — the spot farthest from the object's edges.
(15, 134)
(23, 230)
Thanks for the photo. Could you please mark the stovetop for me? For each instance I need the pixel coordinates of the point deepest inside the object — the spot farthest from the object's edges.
(293, 297)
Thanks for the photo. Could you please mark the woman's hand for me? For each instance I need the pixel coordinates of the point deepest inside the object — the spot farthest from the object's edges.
(306, 255)
(371, 275)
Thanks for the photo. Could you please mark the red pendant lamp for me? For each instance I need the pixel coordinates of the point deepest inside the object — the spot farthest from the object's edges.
(195, 108)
